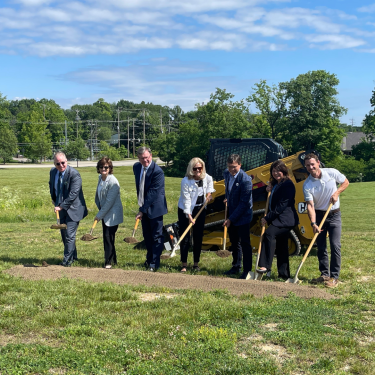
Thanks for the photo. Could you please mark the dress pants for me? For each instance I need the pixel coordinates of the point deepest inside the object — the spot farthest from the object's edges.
(109, 235)
(153, 235)
(332, 225)
(198, 229)
(276, 239)
(240, 246)
(69, 237)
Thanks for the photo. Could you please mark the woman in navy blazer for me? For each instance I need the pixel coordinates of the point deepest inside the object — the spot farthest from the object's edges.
(281, 218)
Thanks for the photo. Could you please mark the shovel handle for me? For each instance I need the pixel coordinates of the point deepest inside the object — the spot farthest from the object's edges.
(313, 240)
(188, 228)
(93, 226)
(58, 217)
(262, 231)
(225, 228)
(135, 227)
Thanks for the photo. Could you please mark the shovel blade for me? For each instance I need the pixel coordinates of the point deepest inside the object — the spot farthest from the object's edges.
(293, 281)
(58, 226)
(130, 240)
(88, 237)
(253, 275)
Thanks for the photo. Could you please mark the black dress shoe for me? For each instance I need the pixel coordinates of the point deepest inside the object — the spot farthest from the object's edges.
(263, 271)
(152, 269)
(232, 271)
(245, 275)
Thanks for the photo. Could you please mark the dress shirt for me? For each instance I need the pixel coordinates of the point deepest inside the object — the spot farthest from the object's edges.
(231, 181)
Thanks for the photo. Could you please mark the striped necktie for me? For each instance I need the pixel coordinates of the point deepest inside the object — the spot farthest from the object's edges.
(141, 195)
(59, 189)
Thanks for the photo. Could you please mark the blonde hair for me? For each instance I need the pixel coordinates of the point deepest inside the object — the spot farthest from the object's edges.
(191, 165)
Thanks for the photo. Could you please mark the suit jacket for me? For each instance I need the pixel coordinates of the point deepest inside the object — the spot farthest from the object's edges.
(73, 201)
(109, 202)
(240, 198)
(155, 204)
(282, 212)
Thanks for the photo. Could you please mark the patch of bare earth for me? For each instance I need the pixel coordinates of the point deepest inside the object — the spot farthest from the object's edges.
(146, 297)
(6, 339)
(170, 280)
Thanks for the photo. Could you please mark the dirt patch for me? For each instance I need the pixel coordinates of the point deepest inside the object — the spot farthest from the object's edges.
(223, 253)
(6, 339)
(170, 280)
(276, 351)
(145, 297)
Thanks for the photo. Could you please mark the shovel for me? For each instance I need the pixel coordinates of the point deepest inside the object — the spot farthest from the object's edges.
(224, 253)
(295, 280)
(173, 253)
(132, 239)
(255, 275)
(58, 225)
(89, 236)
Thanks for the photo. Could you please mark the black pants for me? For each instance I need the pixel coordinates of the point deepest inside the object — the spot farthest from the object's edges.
(276, 239)
(198, 229)
(109, 234)
(153, 234)
(240, 246)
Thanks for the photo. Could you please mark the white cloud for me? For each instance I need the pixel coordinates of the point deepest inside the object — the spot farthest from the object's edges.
(167, 82)
(334, 41)
(367, 9)
(77, 28)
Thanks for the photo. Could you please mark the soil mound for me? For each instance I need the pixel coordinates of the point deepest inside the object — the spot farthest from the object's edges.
(170, 280)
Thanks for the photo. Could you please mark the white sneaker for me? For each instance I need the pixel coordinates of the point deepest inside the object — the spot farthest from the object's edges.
(108, 266)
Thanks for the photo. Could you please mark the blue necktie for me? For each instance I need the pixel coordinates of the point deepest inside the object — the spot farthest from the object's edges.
(59, 190)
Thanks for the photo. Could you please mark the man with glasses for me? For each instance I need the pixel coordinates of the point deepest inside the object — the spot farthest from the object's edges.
(149, 181)
(238, 195)
(65, 186)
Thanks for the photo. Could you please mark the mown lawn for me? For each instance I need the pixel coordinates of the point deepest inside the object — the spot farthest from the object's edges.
(75, 327)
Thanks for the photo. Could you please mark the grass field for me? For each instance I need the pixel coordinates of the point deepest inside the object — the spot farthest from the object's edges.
(75, 327)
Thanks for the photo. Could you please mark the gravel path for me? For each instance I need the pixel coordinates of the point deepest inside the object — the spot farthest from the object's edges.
(169, 280)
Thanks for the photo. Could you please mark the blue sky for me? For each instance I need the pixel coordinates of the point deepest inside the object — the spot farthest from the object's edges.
(177, 52)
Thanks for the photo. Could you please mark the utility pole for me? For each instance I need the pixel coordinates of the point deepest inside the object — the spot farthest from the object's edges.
(44, 111)
(118, 124)
(161, 122)
(66, 134)
(133, 142)
(77, 120)
(144, 127)
(128, 137)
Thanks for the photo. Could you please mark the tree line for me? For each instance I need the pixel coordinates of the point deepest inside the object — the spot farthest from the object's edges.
(303, 113)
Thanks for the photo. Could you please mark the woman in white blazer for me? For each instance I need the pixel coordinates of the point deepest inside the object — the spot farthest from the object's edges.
(108, 201)
(196, 187)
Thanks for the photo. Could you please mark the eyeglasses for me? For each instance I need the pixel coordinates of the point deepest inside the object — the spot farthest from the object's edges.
(197, 169)
(105, 168)
(62, 163)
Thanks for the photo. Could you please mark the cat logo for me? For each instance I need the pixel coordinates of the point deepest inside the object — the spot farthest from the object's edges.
(302, 207)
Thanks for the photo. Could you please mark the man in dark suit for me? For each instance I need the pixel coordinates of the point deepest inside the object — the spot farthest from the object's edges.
(149, 180)
(238, 195)
(65, 186)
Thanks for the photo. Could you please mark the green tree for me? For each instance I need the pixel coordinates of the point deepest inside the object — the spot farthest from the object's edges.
(104, 134)
(313, 113)
(353, 169)
(8, 143)
(111, 152)
(271, 103)
(370, 170)
(364, 150)
(77, 150)
(34, 134)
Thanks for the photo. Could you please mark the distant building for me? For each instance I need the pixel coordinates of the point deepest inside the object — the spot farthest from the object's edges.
(350, 140)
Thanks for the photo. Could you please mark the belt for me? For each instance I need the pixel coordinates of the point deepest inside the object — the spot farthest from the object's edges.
(330, 212)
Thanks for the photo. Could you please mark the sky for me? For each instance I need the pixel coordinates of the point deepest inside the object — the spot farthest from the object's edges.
(178, 52)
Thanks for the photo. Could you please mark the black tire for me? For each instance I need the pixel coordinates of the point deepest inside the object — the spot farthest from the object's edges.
(294, 244)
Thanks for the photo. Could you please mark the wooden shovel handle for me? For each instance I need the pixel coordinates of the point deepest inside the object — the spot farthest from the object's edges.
(94, 225)
(262, 231)
(136, 224)
(58, 217)
(317, 234)
(190, 225)
(225, 228)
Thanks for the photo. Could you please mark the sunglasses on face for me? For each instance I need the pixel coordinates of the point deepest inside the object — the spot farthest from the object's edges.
(197, 169)
(105, 168)
(62, 163)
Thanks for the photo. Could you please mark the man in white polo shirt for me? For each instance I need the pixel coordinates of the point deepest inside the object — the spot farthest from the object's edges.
(320, 189)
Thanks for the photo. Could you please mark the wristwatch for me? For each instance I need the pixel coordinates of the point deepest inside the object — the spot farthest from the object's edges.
(313, 223)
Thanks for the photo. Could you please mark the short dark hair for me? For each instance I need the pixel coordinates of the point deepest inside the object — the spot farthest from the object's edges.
(234, 158)
(311, 156)
(280, 166)
(102, 162)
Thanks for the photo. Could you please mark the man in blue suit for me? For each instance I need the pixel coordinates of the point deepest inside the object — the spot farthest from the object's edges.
(149, 180)
(65, 185)
(238, 195)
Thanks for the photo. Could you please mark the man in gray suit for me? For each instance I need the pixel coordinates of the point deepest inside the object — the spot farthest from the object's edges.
(65, 185)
